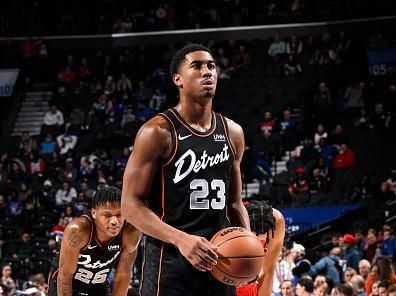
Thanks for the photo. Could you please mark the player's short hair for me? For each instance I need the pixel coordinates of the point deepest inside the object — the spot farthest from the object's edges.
(180, 56)
(111, 195)
(261, 216)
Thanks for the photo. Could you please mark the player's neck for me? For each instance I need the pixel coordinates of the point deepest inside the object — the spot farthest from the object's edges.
(102, 237)
(196, 114)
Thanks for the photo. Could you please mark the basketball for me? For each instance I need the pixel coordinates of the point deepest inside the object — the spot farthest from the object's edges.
(241, 256)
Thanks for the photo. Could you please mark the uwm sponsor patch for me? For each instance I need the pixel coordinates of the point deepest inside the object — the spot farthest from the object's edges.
(219, 138)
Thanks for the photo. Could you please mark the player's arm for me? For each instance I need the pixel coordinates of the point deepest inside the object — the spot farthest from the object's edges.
(76, 237)
(237, 211)
(123, 274)
(274, 248)
(152, 142)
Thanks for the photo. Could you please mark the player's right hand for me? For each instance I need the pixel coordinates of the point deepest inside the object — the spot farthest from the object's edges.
(198, 251)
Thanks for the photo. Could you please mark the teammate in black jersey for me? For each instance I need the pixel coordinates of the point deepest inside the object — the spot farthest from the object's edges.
(90, 248)
(182, 183)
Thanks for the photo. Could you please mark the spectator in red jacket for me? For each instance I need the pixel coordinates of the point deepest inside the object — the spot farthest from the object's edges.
(345, 158)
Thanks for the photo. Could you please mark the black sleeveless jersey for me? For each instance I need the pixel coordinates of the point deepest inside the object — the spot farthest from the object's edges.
(95, 263)
(190, 191)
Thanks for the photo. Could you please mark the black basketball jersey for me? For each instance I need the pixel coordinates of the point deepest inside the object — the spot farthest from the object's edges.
(191, 186)
(95, 263)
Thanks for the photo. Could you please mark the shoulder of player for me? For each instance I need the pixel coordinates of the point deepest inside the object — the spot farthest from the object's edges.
(279, 219)
(236, 135)
(78, 232)
(156, 129)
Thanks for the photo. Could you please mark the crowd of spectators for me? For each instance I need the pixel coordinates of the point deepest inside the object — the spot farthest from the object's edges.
(117, 16)
(351, 264)
(101, 100)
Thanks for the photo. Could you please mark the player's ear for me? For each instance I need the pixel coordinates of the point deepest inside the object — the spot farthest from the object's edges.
(93, 213)
(177, 80)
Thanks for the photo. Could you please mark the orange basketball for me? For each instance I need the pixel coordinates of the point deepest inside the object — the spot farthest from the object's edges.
(241, 256)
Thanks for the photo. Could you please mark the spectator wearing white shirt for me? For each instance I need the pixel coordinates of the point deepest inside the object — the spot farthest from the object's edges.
(65, 195)
(53, 120)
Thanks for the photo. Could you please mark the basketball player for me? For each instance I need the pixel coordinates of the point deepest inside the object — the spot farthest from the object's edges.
(91, 246)
(269, 226)
(182, 183)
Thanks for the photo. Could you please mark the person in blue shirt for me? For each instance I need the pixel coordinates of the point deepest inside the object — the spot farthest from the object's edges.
(328, 266)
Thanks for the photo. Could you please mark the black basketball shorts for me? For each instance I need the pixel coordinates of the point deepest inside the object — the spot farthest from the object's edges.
(167, 273)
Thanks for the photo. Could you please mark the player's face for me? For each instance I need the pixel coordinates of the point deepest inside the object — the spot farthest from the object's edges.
(108, 219)
(197, 75)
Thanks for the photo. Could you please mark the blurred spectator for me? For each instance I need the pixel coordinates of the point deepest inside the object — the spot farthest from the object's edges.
(303, 265)
(76, 121)
(357, 282)
(262, 168)
(109, 86)
(345, 158)
(292, 66)
(317, 183)
(66, 142)
(383, 287)
(391, 290)
(308, 152)
(14, 206)
(65, 195)
(342, 290)
(349, 273)
(351, 252)
(276, 48)
(81, 204)
(124, 81)
(354, 99)
(58, 229)
(53, 121)
(338, 136)
(326, 151)
(299, 187)
(364, 268)
(69, 173)
(294, 46)
(321, 289)
(391, 182)
(304, 287)
(319, 134)
(267, 125)
(371, 246)
(27, 144)
(88, 192)
(329, 266)
(23, 248)
(388, 247)
(157, 100)
(323, 104)
(380, 119)
(142, 94)
(282, 274)
(7, 282)
(287, 288)
(383, 272)
(375, 289)
(48, 146)
(128, 116)
(36, 164)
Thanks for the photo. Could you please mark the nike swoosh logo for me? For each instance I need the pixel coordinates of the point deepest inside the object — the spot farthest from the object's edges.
(181, 138)
(91, 247)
